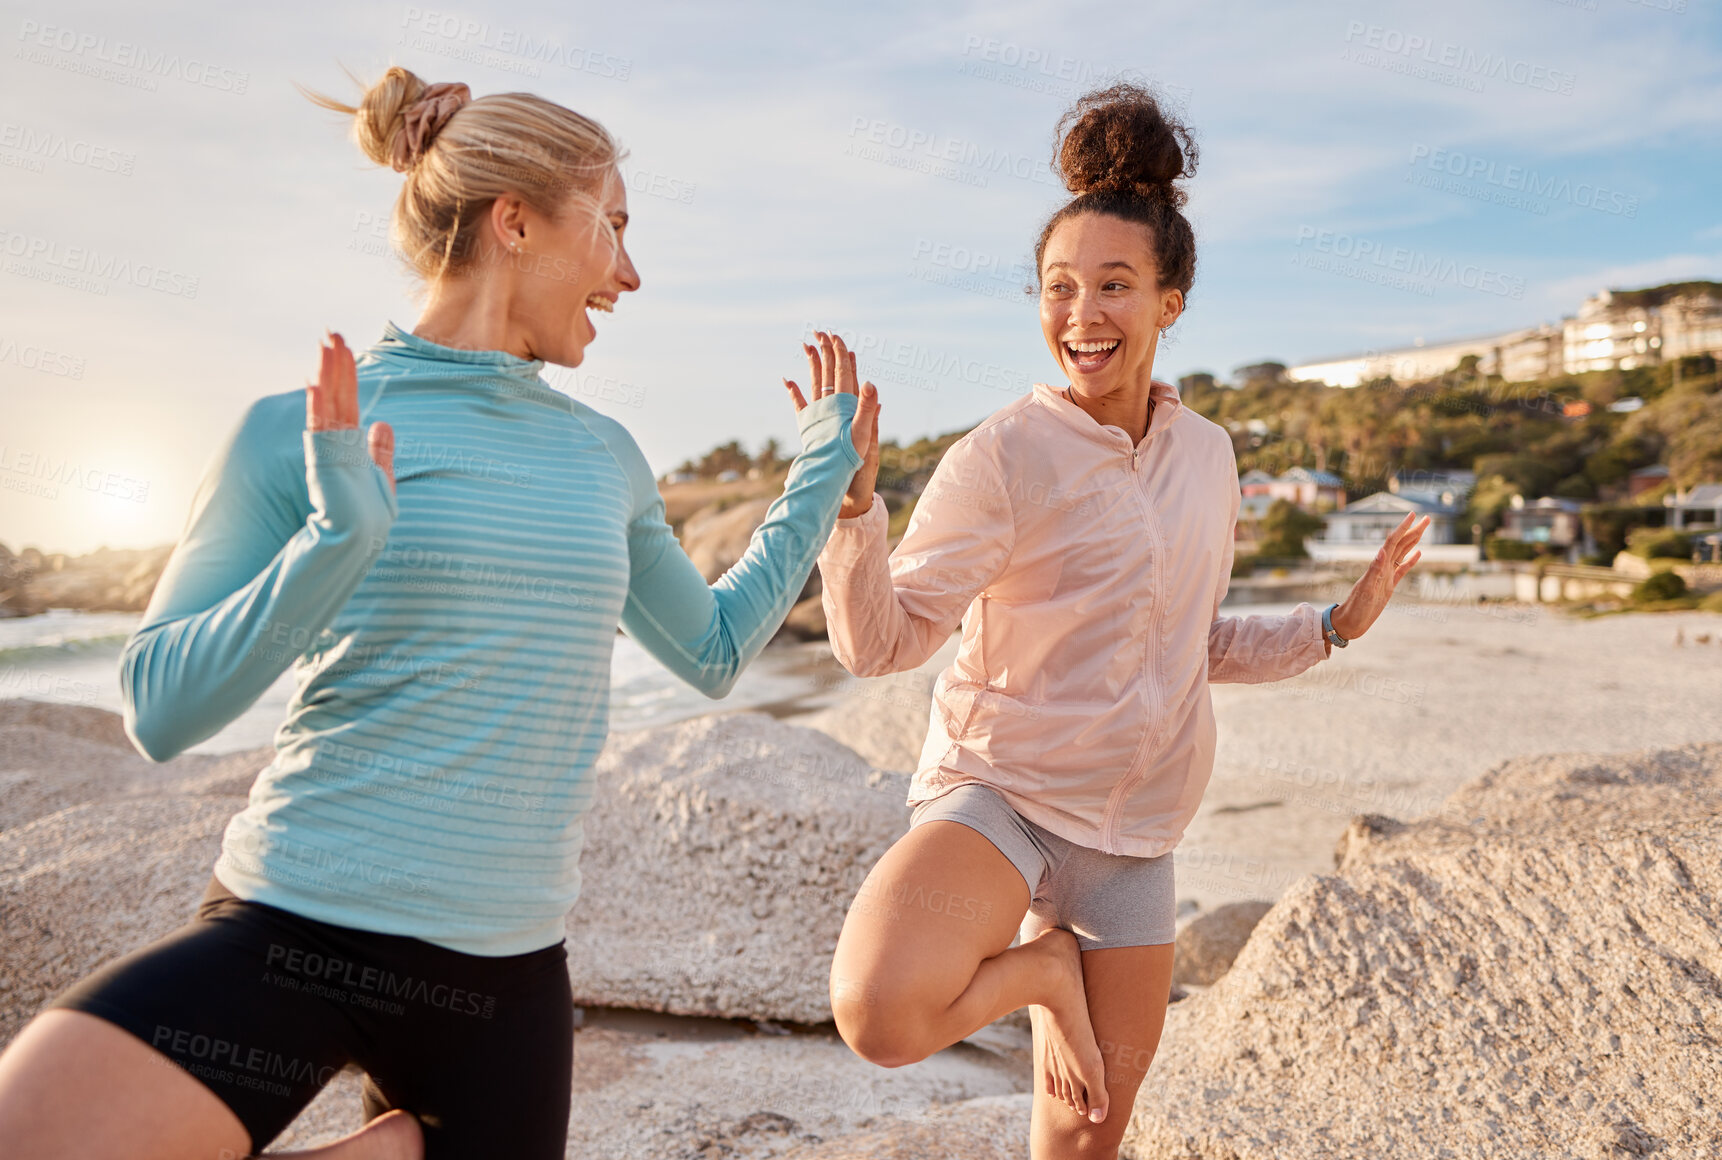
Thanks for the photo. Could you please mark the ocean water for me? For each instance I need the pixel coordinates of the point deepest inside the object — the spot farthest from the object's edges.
(73, 658)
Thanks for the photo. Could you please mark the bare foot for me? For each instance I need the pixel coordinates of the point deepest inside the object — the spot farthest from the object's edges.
(1075, 1072)
(391, 1136)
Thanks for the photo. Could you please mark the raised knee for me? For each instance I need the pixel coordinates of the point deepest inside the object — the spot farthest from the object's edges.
(880, 1041)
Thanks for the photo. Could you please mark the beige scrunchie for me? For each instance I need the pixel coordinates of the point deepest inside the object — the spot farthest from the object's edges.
(425, 119)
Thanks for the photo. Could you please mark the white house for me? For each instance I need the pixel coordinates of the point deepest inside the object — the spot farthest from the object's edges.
(1368, 521)
(1699, 507)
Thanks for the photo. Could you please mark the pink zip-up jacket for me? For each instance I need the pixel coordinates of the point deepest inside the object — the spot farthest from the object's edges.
(1087, 574)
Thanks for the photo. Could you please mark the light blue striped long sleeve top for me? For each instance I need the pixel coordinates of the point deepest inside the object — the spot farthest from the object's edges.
(450, 642)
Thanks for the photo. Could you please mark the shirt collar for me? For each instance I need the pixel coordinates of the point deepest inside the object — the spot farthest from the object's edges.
(1167, 405)
(398, 344)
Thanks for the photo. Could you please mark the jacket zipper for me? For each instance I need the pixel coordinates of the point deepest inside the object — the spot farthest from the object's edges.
(1151, 733)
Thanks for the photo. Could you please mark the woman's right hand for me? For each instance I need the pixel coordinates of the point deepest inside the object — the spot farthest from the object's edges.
(332, 404)
(832, 366)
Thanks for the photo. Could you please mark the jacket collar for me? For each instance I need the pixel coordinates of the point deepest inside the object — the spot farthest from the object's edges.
(1167, 407)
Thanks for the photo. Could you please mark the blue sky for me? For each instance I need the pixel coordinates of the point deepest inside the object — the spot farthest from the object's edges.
(878, 169)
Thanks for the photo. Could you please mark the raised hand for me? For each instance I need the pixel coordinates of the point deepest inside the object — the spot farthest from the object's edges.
(1375, 587)
(832, 366)
(332, 404)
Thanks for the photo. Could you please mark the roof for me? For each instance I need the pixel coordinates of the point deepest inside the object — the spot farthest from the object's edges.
(1431, 476)
(1320, 478)
(1255, 475)
(1705, 495)
(1550, 503)
(1421, 503)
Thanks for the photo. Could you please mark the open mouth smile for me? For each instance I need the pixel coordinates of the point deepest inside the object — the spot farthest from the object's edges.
(1091, 355)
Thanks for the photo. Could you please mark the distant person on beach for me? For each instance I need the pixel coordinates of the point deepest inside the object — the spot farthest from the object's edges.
(1082, 535)
(442, 547)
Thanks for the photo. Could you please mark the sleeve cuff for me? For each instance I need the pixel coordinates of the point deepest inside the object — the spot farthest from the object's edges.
(824, 420)
(1320, 646)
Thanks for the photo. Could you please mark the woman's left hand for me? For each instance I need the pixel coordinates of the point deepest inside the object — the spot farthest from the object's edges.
(1375, 587)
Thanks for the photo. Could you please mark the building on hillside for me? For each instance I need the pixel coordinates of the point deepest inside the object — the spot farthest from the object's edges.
(1692, 325)
(1612, 330)
(1310, 490)
(1446, 486)
(1645, 479)
(1251, 509)
(1370, 519)
(1638, 328)
(1518, 355)
(1701, 507)
(1550, 520)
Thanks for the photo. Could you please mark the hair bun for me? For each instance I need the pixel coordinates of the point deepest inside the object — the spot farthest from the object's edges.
(1120, 140)
(380, 122)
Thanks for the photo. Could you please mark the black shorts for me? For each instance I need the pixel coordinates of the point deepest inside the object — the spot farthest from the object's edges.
(265, 1007)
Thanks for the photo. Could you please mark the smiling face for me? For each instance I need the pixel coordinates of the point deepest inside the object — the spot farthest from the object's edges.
(1101, 304)
(563, 268)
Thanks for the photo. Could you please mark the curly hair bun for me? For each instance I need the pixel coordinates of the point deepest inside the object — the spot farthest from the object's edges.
(1120, 140)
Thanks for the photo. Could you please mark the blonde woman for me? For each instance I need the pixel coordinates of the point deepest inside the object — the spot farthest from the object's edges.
(1083, 538)
(442, 547)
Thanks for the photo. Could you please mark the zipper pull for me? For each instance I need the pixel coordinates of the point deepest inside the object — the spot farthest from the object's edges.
(1133, 453)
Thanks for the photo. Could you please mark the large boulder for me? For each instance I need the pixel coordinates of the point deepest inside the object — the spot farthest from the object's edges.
(985, 1128)
(884, 719)
(1535, 971)
(15, 576)
(106, 580)
(655, 1087)
(806, 621)
(722, 854)
(715, 537)
(101, 851)
(84, 885)
(1208, 944)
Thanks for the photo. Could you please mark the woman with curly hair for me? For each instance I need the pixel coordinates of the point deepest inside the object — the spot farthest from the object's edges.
(1082, 536)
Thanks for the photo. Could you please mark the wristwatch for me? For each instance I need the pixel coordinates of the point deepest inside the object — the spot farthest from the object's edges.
(1333, 637)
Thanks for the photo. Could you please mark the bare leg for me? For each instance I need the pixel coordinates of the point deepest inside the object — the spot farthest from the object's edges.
(1127, 990)
(925, 956)
(73, 1086)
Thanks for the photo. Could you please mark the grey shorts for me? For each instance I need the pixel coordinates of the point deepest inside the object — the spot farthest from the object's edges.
(1105, 900)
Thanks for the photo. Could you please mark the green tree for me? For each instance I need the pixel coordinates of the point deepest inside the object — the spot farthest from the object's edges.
(1285, 526)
